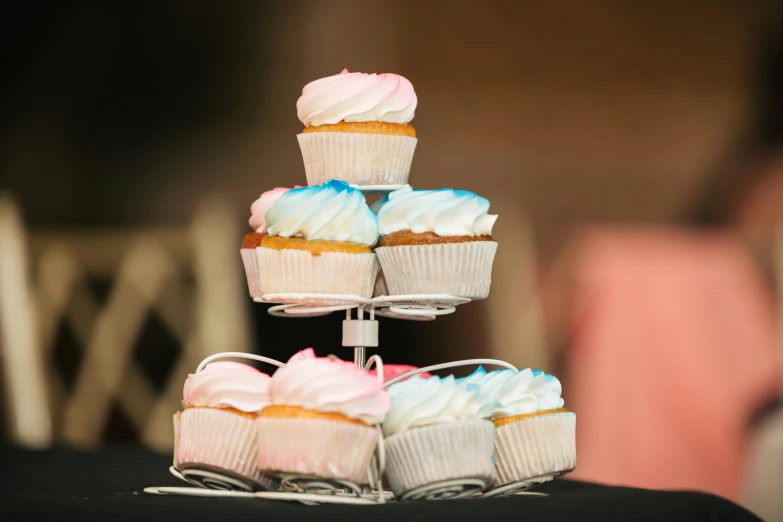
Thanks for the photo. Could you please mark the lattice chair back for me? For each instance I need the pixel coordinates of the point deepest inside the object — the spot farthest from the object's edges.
(184, 284)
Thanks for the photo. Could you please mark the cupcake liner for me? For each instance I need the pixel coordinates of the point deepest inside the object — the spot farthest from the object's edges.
(534, 447)
(363, 159)
(314, 447)
(250, 260)
(380, 285)
(458, 269)
(329, 273)
(431, 454)
(210, 438)
(176, 436)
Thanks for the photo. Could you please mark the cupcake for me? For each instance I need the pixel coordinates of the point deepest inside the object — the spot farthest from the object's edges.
(436, 242)
(319, 240)
(357, 128)
(252, 240)
(322, 420)
(437, 430)
(536, 436)
(216, 431)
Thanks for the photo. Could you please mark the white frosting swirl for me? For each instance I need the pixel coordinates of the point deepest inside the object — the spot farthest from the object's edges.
(420, 402)
(445, 212)
(357, 97)
(227, 385)
(331, 211)
(516, 393)
(326, 385)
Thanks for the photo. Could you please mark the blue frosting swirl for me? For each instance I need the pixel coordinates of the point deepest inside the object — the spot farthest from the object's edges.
(515, 393)
(331, 211)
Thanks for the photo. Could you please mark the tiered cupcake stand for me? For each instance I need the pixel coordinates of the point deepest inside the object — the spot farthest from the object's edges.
(360, 331)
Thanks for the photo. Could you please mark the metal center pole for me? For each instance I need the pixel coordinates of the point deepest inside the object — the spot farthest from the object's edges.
(358, 356)
(358, 351)
(360, 334)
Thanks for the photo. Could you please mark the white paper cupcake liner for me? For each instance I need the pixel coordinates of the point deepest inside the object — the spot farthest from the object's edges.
(287, 270)
(250, 260)
(313, 447)
(176, 436)
(534, 447)
(210, 438)
(363, 159)
(454, 450)
(458, 269)
(380, 285)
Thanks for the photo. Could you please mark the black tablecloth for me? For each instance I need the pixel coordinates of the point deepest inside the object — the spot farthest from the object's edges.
(107, 485)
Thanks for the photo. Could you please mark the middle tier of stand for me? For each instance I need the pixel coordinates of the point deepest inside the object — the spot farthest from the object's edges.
(362, 331)
(421, 307)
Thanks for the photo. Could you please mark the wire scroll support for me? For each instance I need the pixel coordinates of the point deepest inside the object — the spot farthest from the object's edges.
(515, 488)
(307, 490)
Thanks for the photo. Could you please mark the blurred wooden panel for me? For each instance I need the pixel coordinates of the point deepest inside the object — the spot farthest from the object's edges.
(577, 111)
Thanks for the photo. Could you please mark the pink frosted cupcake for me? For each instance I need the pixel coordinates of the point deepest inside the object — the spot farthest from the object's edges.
(323, 419)
(253, 240)
(216, 431)
(357, 128)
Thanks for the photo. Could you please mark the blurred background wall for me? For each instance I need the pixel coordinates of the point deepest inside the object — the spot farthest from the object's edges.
(124, 116)
(559, 114)
(599, 111)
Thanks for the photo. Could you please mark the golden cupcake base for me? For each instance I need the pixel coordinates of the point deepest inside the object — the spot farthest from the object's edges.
(283, 411)
(502, 421)
(366, 127)
(315, 246)
(406, 237)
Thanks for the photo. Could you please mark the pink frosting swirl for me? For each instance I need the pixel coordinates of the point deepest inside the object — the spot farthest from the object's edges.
(227, 385)
(326, 385)
(356, 97)
(260, 207)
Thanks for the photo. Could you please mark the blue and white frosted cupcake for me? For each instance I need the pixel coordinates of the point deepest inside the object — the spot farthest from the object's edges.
(319, 240)
(436, 242)
(437, 430)
(535, 439)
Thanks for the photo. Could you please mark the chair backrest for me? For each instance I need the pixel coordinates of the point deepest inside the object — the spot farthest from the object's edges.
(189, 279)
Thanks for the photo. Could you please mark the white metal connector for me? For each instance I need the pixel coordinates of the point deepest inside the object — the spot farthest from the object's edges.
(360, 333)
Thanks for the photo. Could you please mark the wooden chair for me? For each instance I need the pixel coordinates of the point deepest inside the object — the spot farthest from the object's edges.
(189, 277)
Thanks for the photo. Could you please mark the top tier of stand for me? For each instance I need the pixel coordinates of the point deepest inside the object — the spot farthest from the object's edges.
(377, 189)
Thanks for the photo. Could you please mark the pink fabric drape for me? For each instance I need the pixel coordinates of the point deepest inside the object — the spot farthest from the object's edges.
(674, 347)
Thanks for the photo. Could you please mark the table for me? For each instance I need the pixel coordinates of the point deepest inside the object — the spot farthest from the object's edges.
(106, 485)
